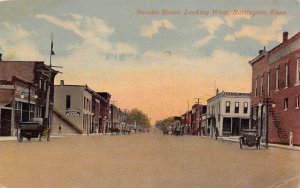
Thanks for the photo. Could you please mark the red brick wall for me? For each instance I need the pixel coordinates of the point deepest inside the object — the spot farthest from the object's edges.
(6, 95)
(289, 119)
(20, 69)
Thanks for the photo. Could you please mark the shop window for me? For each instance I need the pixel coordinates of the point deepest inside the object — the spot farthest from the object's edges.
(226, 126)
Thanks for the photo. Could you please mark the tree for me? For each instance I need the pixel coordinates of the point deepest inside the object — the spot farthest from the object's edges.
(138, 117)
(165, 123)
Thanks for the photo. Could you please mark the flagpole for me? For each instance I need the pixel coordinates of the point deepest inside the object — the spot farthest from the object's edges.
(51, 49)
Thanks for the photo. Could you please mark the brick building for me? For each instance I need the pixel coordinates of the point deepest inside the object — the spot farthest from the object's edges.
(196, 118)
(105, 112)
(26, 92)
(79, 109)
(276, 91)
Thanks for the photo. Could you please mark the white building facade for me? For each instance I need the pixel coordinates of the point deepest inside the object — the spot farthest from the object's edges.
(228, 113)
(74, 103)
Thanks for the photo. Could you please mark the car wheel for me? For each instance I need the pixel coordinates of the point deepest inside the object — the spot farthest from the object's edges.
(241, 144)
(20, 139)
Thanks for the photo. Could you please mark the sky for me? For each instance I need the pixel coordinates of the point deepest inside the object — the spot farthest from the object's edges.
(157, 56)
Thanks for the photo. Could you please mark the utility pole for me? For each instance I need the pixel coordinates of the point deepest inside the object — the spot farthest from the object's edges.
(198, 116)
(188, 119)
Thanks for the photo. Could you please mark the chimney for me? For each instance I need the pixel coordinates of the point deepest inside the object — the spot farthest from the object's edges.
(62, 82)
(285, 36)
(217, 91)
(260, 52)
(0, 57)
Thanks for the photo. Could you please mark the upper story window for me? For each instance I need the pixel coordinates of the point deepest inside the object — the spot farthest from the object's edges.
(40, 84)
(286, 104)
(84, 103)
(262, 85)
(298, 70)
(237, 107)
(68, 102)
(255, 92)
(227, 108)
(268, 84)
(297, 104)
(287, 74)
(45, 85)
(277, 79)
(245, 107)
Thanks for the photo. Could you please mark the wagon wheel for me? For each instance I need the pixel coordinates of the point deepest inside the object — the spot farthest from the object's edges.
(20, 139)
(241, 144)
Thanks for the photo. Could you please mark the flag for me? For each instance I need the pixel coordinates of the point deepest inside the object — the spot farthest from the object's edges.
(52, 52)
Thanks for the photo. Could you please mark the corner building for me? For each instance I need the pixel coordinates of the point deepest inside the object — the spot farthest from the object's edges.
(276, 92)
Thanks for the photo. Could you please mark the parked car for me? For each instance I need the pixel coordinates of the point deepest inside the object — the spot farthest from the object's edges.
(32, 130)
(250, 138)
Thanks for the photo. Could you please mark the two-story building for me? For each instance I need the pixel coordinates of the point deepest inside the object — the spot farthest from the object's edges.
(196, 118)
(229, 112)
(73, 110)
(26, 92)
(105, 119)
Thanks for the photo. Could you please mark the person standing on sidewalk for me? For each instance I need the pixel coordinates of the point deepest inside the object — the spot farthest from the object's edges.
(291, 138)
(59, 129)
(217, 133)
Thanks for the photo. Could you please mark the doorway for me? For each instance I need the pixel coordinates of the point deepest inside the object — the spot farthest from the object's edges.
(235, 126)
(5, 121)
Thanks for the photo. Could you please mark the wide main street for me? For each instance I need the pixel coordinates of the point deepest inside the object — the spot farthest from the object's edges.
(144, 160)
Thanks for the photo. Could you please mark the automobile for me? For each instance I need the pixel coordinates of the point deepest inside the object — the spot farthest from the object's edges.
(32, 130)
(249, 138)
(165, 132)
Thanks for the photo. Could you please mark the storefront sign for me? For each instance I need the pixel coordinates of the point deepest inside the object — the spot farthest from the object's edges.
(71, 112)
(7, 87)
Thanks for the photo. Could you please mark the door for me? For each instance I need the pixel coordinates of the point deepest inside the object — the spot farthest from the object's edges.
(235, 126)
(5, 122)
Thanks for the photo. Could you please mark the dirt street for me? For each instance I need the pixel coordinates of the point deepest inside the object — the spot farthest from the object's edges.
(144, 160)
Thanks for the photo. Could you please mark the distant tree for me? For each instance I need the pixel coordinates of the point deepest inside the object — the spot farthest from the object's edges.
(165, 123)
(138, 117)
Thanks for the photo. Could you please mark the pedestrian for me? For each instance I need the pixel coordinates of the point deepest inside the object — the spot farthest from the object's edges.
(217, 133)
(291, 138)
(59, 129)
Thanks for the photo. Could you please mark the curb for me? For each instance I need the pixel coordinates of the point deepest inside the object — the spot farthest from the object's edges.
(294, 148)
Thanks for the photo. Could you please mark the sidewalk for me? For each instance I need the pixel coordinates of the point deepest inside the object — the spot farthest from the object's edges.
(236, 139)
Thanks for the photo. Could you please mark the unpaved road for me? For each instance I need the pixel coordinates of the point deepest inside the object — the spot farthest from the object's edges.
(144, 160)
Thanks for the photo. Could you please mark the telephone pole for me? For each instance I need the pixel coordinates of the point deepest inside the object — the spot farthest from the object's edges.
(198, 116)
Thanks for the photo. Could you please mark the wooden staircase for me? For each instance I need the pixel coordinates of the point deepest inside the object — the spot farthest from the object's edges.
(67, 120)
